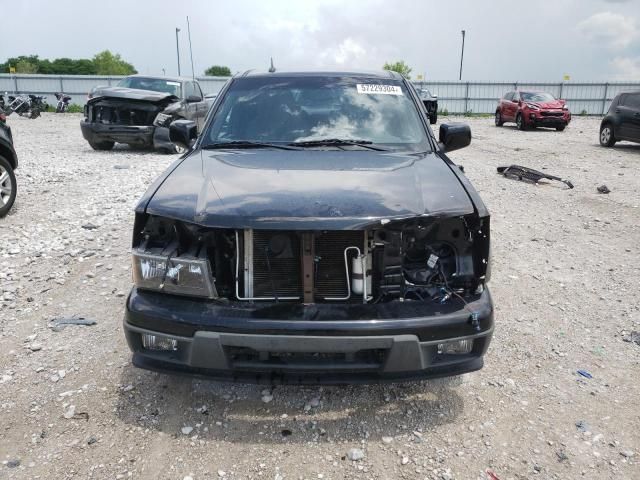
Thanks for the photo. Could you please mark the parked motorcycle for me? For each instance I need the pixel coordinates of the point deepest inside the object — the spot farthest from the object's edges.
(38, 105)
(30, 106)
(63, 102)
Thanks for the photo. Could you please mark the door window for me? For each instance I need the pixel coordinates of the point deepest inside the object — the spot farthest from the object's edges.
(632, 101)
(190, 90)
(198, 90)
(508, 96)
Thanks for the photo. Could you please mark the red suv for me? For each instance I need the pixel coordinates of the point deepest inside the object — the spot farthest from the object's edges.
(532, 109)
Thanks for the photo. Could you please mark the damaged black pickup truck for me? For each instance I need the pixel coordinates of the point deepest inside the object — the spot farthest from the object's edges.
(139, 110)
(316, 232)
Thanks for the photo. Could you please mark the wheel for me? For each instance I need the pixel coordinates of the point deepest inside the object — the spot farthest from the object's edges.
(59, 109)
(102, 145)
(433, 118)
(175, 150)
(8, 187)
(606, 136)
(520, 122)
(561, 129)
(498, 119)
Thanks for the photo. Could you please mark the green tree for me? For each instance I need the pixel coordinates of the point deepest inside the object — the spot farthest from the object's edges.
(400, 67)
(106, 63)
(24, 66)
(13, 62)
(218, 71)
(84, 66)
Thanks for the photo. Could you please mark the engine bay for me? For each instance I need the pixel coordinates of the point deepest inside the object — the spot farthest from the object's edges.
(417, 260)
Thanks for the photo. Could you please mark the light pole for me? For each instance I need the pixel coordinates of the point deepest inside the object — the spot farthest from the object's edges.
(178, 50)
(193, 73)
(462, 54)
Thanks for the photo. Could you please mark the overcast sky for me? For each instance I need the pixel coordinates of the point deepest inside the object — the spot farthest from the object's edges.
(506, 39)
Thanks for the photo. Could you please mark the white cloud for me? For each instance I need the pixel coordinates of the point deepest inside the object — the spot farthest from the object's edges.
(612, 29)
(345, 53)
(626, 68)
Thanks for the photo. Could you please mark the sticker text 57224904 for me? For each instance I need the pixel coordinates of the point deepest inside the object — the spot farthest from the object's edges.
(379, 89)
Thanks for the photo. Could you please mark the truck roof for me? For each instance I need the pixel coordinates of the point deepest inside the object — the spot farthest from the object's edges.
(381, 74)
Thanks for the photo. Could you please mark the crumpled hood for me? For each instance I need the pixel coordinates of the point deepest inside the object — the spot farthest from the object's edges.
(549, 105)
(308, 189)
(132, 94)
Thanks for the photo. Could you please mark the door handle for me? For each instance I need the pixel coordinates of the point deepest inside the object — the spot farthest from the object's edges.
(637, 114)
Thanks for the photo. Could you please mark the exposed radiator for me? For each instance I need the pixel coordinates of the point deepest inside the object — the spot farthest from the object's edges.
(274, 263)
(280, 251)
(331, 279)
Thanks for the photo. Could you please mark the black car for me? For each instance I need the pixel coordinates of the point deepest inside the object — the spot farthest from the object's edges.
(138, 112)
(316, 232)
(622, 122)
(8, 163)
(430, 102)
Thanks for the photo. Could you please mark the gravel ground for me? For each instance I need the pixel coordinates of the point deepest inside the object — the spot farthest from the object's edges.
(565, 284)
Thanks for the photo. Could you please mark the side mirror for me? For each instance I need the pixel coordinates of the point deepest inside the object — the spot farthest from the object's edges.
(454, 136)
(183, 132)
(194, 98)
(515, 101)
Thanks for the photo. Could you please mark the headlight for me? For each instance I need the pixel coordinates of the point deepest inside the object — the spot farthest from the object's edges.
(532, 106)
(162, 119)
(564, 107)
(181, 275)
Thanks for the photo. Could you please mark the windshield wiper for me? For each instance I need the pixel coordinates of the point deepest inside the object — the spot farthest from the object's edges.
(245, 144)
(328, 142)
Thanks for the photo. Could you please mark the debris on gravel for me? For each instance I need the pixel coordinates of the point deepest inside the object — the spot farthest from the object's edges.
(58, 324)
(355, 454)
(633, 337)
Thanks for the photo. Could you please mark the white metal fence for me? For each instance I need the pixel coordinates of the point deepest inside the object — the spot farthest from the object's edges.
(454, 97)
(482, 97)
(77, 86)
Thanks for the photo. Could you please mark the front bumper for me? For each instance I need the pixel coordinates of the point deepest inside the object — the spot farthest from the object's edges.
(144, 136)
(320, 343)
(139, 135)
(539, 120)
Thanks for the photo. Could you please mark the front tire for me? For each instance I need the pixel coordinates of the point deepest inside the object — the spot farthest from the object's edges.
(520, 122)
(498, 119)
(174, 150)
(607, 139)
(561, 129)
(102, 145)
(8, 187)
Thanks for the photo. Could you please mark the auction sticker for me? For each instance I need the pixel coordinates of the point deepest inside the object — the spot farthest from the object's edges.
(378, 89)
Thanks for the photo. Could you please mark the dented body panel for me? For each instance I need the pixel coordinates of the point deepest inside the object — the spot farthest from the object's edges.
(307, 189)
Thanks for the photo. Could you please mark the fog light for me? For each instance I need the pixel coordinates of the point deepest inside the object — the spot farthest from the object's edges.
(458, 347)
(153, 342)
